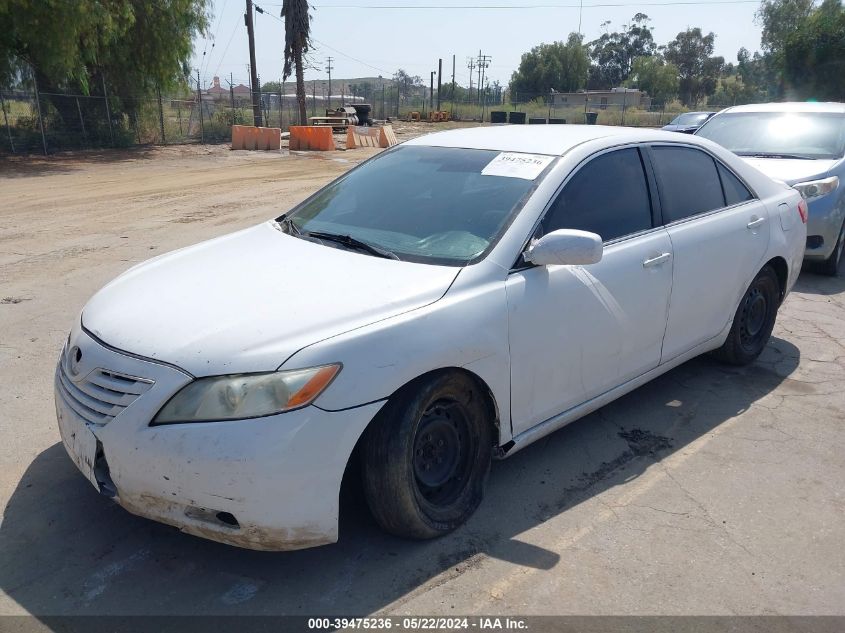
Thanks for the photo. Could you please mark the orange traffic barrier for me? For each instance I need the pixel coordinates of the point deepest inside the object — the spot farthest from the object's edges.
(361, 136)
(310, 137)
(260, 138)
(387, 137)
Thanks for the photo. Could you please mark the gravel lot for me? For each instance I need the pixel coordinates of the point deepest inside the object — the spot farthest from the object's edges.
(712, 490)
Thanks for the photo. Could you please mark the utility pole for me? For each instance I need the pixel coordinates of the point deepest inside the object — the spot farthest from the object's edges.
(478, 64)
(250, 31)
(470, 65)
(452, 110)
(439, 81)
(483, 64)
(329, 70)
(431, 91)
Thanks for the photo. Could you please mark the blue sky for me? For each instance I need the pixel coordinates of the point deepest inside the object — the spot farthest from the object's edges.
(372, 42)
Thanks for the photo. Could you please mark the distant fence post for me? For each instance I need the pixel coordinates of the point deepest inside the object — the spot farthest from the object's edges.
(6, 119)
(40, 118)
(199, 103)
(161, 117)
(81, 122)
(108, 110)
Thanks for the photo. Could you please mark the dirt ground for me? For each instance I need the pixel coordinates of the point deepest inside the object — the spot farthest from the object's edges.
(711, 490)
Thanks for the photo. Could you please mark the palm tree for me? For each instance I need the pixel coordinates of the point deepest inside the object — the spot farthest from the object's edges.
(297, 41)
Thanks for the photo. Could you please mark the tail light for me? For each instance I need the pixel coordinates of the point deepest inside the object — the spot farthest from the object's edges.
(803, 211)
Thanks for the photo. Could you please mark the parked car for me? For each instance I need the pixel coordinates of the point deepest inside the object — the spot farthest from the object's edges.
(449, 301)
(688, 122)
(802, 144)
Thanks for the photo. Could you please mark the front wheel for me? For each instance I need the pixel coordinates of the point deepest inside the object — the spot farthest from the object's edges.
(426, 456)
(753, 321)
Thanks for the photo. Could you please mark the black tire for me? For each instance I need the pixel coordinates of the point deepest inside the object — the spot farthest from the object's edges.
(830, 266)
(426, 456)
(753, 321)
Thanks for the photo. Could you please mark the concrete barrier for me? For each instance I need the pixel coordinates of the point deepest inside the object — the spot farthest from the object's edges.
(387, 137)
(256, 138)
(309, 137)
(362, 136)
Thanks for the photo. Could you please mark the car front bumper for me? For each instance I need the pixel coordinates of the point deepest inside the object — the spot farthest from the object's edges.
(826, 215)
(270, 483)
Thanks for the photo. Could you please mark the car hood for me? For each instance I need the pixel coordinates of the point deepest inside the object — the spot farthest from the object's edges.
(791, 171)
(247, 301)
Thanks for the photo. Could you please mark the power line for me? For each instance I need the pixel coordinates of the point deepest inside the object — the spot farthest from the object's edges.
(225, 50)
(660, 3)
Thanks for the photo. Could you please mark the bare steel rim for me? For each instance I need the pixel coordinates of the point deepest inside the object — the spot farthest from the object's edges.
(756, 307)
(443, 452)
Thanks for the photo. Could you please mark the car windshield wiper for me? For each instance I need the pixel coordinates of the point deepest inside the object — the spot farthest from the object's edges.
(289, 224)
(351, 242)
(773, 155)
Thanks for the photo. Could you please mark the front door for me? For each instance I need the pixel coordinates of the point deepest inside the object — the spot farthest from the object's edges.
(578, 331)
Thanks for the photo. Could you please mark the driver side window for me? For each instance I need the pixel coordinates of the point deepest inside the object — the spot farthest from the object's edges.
(608, 196)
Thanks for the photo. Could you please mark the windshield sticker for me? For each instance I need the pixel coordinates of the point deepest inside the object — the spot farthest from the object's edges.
(515, 165)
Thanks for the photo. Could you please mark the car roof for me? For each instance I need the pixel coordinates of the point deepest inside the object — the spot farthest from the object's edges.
(552, 140)
(793, 106)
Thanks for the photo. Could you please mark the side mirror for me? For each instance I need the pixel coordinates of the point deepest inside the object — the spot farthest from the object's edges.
(565, 246)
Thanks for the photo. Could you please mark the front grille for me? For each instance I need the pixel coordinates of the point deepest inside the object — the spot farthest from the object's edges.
(101, 395)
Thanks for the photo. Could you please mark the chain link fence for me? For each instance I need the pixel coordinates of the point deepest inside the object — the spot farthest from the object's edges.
(48, 122)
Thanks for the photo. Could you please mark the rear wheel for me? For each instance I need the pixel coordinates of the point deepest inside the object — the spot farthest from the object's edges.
(753, 321)
(830, 266)
(426, 456)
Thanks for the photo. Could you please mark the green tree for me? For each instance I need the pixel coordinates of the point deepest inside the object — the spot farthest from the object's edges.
(613, 54)
(779, 19)
(657, 77)
(136, 45)
(561, 66)
(698, 70)
(814, 54)
(297, 42)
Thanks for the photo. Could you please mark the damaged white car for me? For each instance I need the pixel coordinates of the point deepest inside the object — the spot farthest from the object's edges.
(449, 301)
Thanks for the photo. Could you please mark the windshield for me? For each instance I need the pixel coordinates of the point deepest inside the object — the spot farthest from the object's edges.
(424, 204)
(800, 134)
(690, 118)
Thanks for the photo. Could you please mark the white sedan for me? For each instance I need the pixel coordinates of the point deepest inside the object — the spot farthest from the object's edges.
(451, 300)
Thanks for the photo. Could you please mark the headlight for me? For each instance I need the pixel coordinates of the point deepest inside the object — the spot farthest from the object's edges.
(242, 396)
(817, 188)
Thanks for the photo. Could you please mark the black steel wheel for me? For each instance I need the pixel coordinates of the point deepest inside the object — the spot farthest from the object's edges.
(427, 454)
(754, 320)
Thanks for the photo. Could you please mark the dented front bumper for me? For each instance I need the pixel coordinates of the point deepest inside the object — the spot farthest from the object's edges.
(269, 483)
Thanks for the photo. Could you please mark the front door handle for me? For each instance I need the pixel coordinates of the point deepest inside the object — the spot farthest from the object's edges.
(656, 261)
(755, 223)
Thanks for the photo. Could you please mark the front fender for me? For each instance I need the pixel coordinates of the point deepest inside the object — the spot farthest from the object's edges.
(467, 328)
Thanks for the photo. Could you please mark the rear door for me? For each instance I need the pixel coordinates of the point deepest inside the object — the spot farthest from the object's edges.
(720, 234)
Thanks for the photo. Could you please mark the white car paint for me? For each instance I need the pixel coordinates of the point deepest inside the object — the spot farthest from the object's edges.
(550, 343)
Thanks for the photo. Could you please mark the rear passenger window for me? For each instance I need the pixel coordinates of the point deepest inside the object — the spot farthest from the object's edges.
(608, 196)
(688, 180)
(735, 191)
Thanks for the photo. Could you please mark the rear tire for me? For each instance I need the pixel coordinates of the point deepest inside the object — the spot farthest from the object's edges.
(830, 266)
(753, 321)
(426, 456)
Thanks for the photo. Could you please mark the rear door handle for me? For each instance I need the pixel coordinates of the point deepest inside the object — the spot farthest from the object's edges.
(656, 261)
(755, 223)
